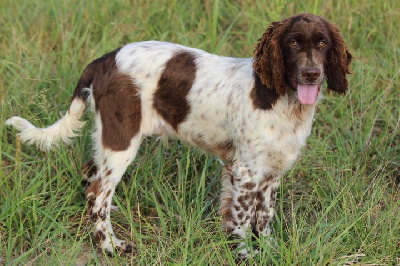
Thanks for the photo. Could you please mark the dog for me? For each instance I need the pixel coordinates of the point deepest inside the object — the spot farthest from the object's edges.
(255, 114)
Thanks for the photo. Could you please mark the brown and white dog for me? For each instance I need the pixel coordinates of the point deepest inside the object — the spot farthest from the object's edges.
(253, 113)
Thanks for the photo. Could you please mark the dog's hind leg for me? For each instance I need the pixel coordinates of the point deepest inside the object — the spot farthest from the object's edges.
(116, 140)
(100, 192)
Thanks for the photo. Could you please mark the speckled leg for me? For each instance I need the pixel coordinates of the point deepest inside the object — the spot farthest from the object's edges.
(266, 197)
(238, 203)
(247, 201)
(89, 171)
(100, 193)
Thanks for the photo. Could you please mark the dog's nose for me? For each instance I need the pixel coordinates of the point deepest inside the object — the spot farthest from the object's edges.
(311, 73)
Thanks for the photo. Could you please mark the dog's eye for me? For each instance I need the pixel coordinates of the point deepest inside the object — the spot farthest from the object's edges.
(294, 44)
(321, 44)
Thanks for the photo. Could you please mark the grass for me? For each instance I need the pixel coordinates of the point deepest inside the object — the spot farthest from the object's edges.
(339, 204)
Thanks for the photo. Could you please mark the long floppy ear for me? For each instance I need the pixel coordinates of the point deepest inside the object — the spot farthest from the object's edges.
(268, 58)
(339, 60)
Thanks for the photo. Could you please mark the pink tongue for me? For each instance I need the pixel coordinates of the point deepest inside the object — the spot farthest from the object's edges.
(307, 93)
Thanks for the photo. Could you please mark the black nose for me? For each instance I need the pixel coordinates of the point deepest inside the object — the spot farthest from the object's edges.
(311, 73)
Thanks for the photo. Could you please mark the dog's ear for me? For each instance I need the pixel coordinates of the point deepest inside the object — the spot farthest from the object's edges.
(268, 58)
(339, 59)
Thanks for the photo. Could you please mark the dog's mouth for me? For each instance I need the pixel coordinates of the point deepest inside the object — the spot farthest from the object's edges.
(307, 93)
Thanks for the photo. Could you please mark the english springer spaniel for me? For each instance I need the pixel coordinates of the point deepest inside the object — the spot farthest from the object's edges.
(255, 114)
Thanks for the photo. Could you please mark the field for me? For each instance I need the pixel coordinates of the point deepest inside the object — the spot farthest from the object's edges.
(339, 205)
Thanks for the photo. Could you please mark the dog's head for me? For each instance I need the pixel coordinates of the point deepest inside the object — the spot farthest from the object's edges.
(298, 53)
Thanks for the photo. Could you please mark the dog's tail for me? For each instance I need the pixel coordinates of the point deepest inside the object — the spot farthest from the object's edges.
(67, 127)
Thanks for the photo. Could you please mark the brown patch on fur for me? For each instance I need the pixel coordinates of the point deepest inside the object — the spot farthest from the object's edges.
(262, 210)
(249, 185)
(108, 172)
(99, 237)
(243, 199)
(247, 200)
(89, 168)
(262, 221)
(267, 179)
(90, 205)
(262, 96)
(94, 189)
(260, 201)
(252, 199)
(173, 87)
(126, 249)
(273, 194)
(117, 101)
(94, 216)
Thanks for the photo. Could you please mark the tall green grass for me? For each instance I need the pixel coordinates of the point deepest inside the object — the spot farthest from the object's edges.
(338, 205)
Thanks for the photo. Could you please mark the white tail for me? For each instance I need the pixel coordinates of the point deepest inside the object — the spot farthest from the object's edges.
(45, 138)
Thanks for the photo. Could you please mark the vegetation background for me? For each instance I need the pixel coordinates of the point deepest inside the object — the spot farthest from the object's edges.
(339, 205)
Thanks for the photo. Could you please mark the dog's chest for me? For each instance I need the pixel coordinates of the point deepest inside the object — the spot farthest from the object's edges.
(275, 139)
(262, 138)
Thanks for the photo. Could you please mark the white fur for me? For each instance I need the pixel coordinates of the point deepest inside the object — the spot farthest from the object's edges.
(45, 138)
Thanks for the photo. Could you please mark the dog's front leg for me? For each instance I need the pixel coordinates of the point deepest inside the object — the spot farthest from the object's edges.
(238, 203)
(266, 198)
